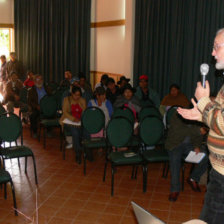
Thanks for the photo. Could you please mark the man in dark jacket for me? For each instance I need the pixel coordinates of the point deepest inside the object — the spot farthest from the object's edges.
(184, 136)
(35, 94)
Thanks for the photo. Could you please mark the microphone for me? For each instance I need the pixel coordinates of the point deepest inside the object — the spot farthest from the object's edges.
(204, 68)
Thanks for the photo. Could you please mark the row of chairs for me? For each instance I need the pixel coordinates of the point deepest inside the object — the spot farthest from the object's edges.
(120, 133)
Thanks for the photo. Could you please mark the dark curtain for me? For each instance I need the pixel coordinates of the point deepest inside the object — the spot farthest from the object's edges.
(173, 38)
(52, 36)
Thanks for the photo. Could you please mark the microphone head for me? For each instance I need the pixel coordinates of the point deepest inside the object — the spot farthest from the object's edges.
(204, 68)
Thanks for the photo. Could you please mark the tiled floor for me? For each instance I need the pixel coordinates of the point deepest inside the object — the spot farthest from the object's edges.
(65, 195)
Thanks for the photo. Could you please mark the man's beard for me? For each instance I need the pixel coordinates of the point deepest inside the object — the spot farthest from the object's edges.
(219, 65)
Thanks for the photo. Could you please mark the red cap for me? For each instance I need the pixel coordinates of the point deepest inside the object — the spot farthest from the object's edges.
(143, 77)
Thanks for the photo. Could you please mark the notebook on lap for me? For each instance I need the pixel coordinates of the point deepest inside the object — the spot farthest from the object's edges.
(145, 217)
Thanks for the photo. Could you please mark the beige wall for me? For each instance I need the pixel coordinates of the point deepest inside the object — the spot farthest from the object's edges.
(6, 11)
(112, 47)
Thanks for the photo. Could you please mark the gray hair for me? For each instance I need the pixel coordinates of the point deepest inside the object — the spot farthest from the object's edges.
(220, 31)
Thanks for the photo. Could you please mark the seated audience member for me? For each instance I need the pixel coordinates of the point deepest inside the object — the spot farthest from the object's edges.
(103, 82)
(12, 93)
(146, 95)
(184, 136)
(3, 73)
(85, 88)
(123, 82)
(101, 102)
(35, 94)
(73, 107)
(76, 82)
(175, 97)
(128, 99)
(112, 91)
(67, 81)
(29, 82)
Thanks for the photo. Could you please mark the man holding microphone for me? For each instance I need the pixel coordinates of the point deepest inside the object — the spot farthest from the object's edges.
(212, 114)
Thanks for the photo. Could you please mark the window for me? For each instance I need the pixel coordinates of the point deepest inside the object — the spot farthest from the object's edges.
(6, 41)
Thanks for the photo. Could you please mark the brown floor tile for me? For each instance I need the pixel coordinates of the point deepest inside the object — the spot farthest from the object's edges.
(65, 195)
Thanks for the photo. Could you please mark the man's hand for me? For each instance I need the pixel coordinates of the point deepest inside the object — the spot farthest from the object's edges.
(201, 91)
(190, 114)
(197, 150)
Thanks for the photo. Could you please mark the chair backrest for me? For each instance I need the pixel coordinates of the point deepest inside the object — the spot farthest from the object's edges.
(93, 120)
(2, 109)
(124, 112)
(119, 131)
(53, 86)
(170, 112)
(151, 130)
(59, 97)
(10, 127)
(48, 106)
(149, 111)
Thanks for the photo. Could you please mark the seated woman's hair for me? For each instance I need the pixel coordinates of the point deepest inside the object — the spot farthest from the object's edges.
(99, 91)
(76, 89)
(174, 85)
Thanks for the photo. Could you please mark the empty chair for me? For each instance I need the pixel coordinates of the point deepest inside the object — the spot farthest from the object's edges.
(4, 179)
(119, 134)
(10, 130)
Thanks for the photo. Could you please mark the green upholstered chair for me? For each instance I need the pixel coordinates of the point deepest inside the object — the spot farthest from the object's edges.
(119, 134)
(124, 112)
(151, 131)
(4, 179)
(10, 130)
(48, 116)
(148, 111)
(93, 121)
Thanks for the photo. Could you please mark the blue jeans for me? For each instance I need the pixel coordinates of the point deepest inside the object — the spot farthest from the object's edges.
(176, 156)
(213, 209)
(78, 133)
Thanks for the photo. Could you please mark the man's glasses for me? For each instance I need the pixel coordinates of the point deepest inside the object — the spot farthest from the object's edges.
(217, 46)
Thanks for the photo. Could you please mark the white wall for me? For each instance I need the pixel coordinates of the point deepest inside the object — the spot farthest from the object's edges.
(6, 11)
(112, 47)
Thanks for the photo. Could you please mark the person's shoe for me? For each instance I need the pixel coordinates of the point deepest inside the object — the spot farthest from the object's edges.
(194, 185)
(173, 196)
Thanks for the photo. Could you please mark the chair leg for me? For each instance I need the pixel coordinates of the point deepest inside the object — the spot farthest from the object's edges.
(84, 161)
(63, 147)
(14, 198)
(165, 169)
(39, 133)
(26, 165)
(183, 169)
(112, 180)
(61, 139)
(105, 171)
(136, 172)
(145, 175)
(44, 137)
(5, 190)
(133, 171)
(18, 162)
(35, 170)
